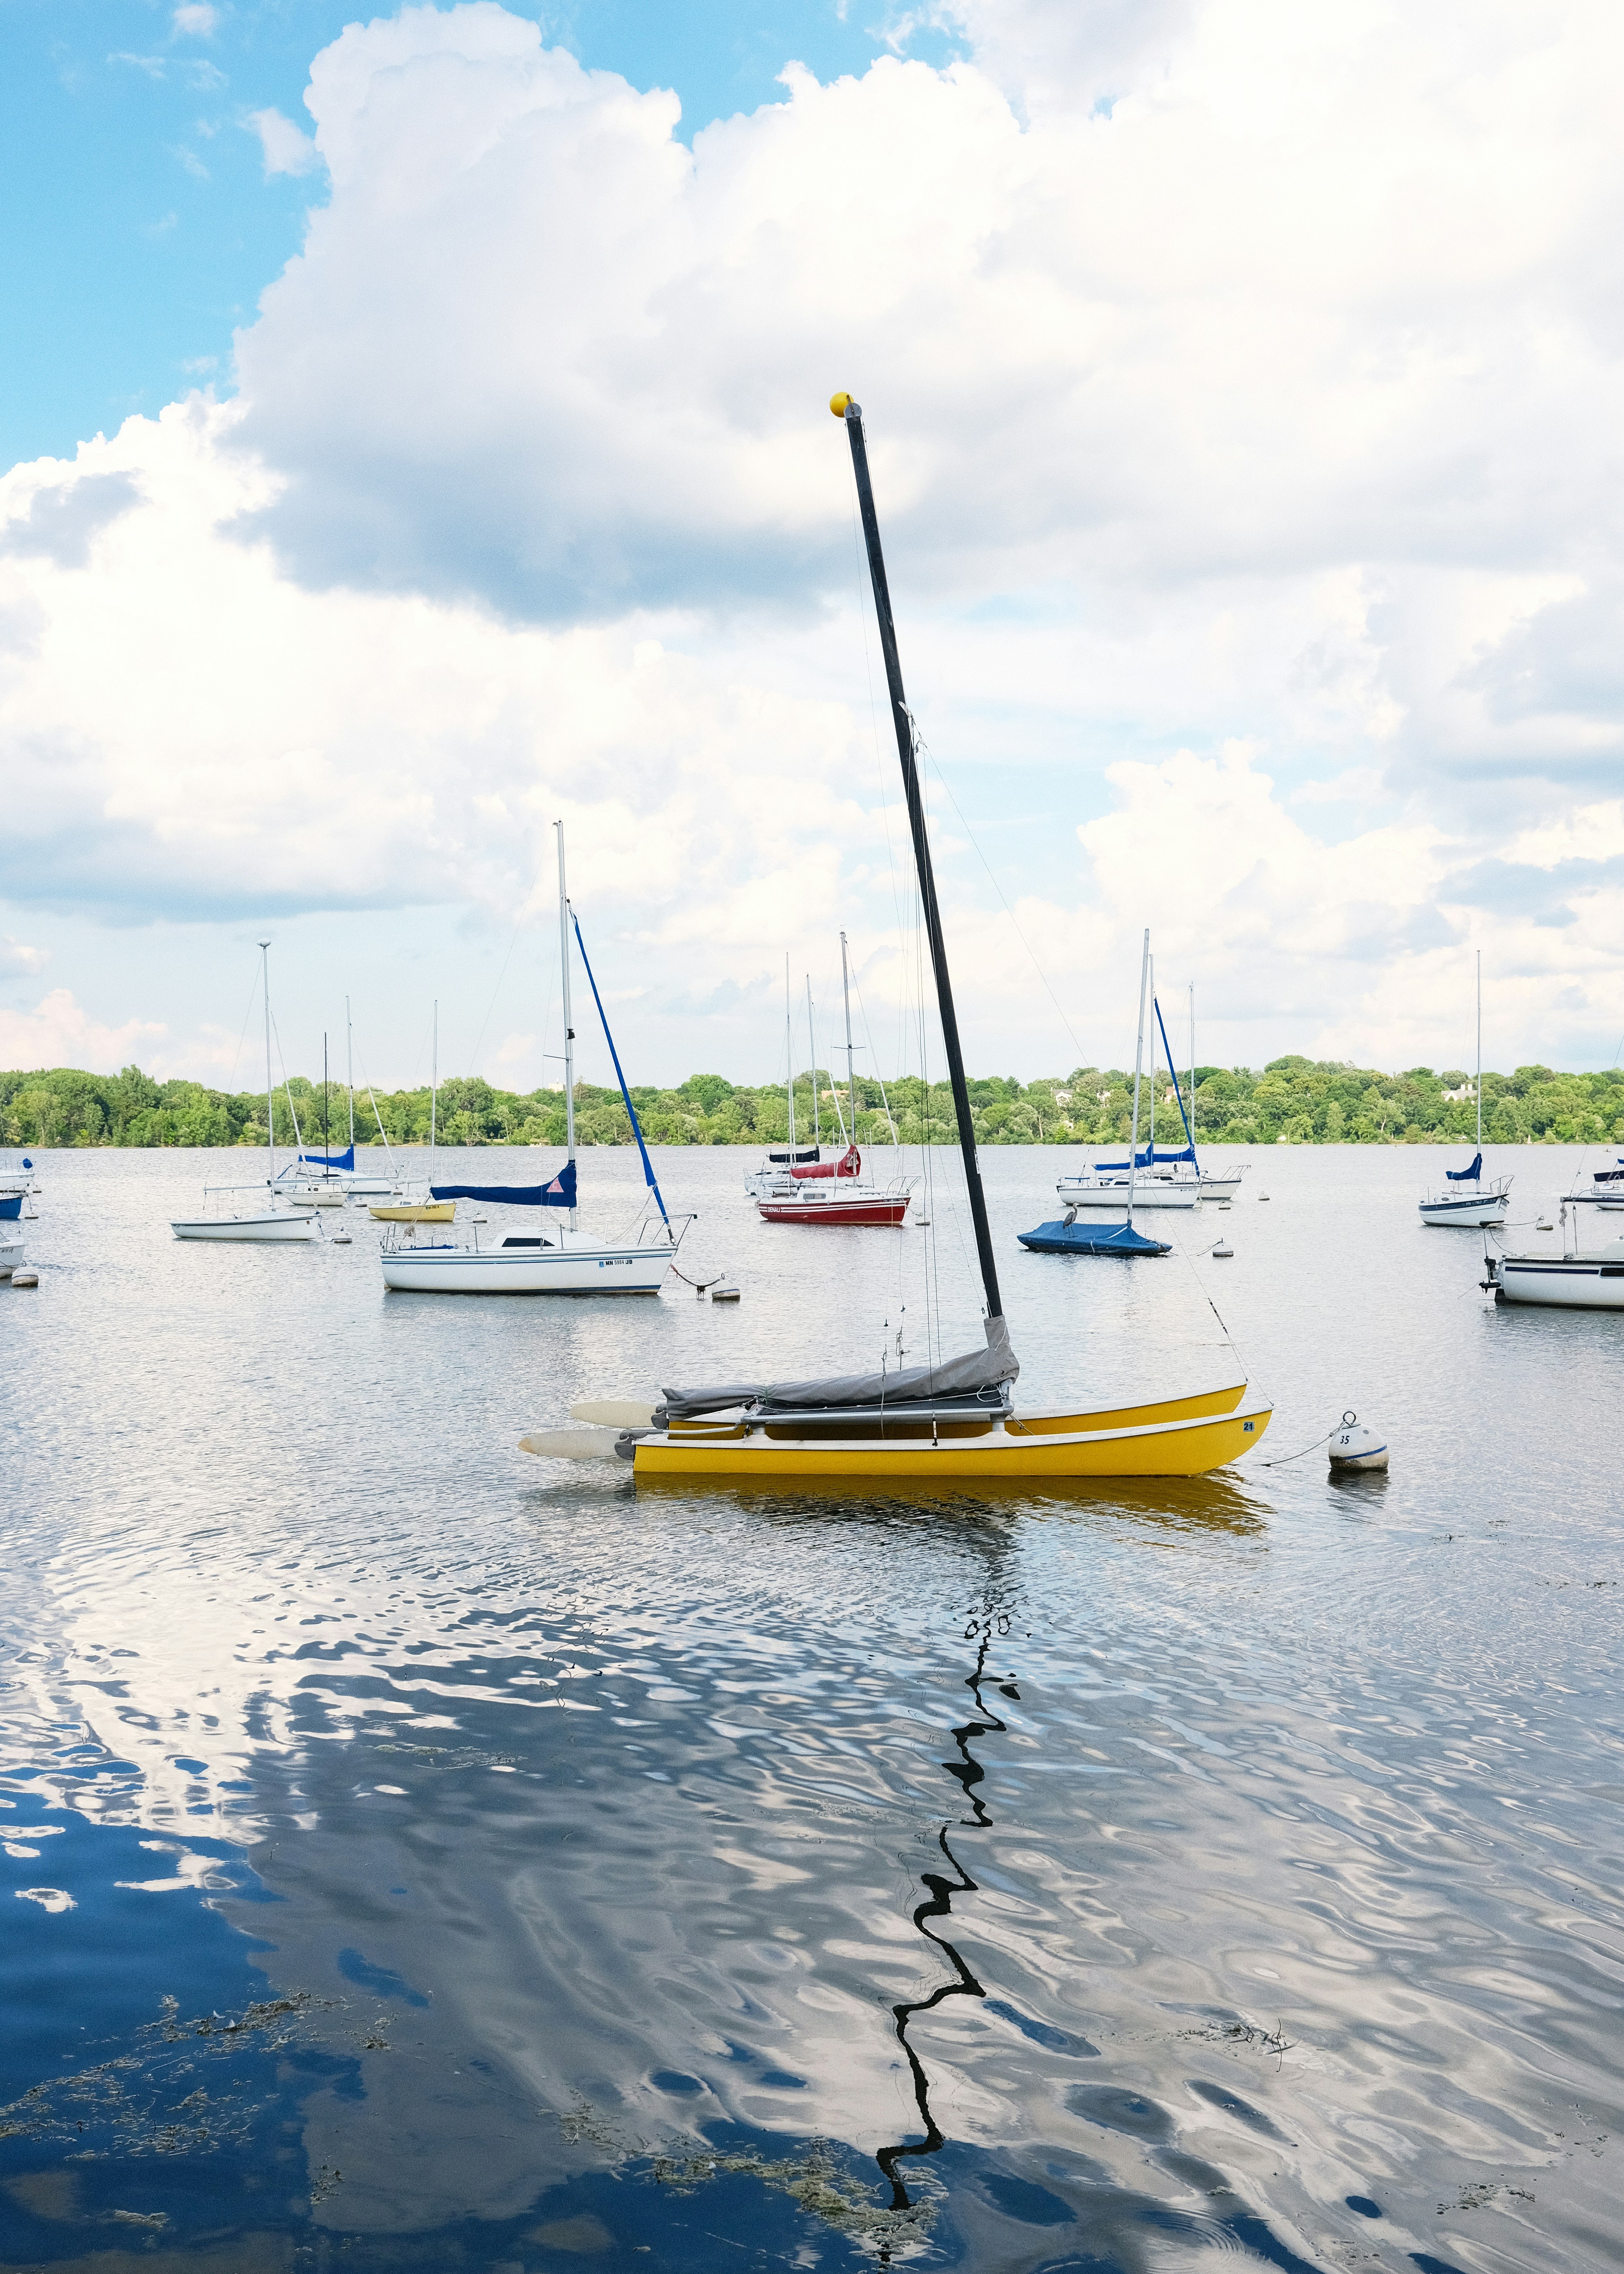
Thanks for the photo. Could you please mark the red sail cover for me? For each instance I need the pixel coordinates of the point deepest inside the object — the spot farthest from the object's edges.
(849, 1164)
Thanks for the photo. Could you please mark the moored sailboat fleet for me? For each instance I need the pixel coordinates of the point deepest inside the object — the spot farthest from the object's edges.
(951, 1417)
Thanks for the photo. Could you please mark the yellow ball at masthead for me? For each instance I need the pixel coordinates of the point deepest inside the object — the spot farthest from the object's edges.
(838, 405)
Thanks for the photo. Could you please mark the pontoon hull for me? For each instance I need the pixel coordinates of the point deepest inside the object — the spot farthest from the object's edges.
(1178, 1437)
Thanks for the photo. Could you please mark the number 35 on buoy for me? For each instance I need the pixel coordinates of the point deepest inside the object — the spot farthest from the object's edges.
(1356, 1447)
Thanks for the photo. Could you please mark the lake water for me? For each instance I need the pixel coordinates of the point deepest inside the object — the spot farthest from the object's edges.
(424, 1856)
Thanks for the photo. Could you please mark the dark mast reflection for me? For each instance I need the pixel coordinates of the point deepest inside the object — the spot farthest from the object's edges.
(939, 1900)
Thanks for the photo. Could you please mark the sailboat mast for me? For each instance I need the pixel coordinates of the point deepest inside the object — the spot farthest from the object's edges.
(569, 1030)
(1153, 1061)
(270, 1093)
(851, 1074)
(812, 1046)
(844, 408)
(1480, 1050)
(1139, 1060)
(350, 1070)
(326, 1141)
(433, 1087)
(1195, 1164)
(789, 1060)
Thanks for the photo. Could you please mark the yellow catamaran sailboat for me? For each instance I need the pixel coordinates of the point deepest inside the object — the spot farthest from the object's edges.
(957, 1418)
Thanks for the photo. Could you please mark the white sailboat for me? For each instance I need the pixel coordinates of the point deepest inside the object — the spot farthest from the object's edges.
(1571, 1281)
(271, 1220)
(1067, 1236)
(565, 1261)
(837, 1192)
(1605, 1190)
(1472, 1202)
(1155, 1180)
(332, 1179)
(775, 1176)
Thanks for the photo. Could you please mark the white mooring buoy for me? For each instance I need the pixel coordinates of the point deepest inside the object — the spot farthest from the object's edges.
(20, 1278)
(724, 1294)
(1545, 1224)
(341, 1238)
(1221, 1247)
(1356, 1447)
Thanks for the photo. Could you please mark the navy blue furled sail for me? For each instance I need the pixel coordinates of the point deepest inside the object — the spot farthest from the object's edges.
(1148, 1157)
(559, 1194)
(1189, 1152)
(344, 1159)
(648, 1166)
(1466, 1176)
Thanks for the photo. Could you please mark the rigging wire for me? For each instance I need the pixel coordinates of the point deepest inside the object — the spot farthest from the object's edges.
(253, 997)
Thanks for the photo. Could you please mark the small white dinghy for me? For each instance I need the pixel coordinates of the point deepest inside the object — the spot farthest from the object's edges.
(248, 1223)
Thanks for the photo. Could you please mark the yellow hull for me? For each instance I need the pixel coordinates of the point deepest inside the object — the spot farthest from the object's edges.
(415, 1212)
(1179, 1437)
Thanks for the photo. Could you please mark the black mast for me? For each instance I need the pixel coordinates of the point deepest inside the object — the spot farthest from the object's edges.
(842, 407)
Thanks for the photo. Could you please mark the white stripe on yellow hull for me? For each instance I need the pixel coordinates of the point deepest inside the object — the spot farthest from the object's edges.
(1177, 1437)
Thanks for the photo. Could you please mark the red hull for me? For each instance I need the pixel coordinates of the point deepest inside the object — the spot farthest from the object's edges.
(888, 1210)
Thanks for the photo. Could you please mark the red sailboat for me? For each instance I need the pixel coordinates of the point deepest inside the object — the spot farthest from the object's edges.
(828, 1192)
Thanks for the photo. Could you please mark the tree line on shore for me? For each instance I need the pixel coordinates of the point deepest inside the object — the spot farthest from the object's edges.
(1293, 1101)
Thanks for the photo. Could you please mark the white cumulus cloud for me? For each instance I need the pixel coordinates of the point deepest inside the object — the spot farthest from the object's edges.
(285, 149)
(1242, 391)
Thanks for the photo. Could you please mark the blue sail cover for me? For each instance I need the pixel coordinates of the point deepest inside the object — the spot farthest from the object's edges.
(559, 1194)
(11, 1207)
(1061, 1238)
(344, 1159)
(1466, 1176)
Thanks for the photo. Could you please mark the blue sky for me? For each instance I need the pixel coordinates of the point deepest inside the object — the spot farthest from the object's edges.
(1243, 419)
(139, 227)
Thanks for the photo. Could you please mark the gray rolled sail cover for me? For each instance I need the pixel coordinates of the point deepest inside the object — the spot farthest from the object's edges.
(954, 1377)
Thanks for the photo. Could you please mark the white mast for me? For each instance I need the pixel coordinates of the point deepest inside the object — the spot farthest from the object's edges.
(270, 1095)
(569, 1032)
(1192, 1165)
(350, 1070)
(1480, 1056)
(1153, 1061)
(789, 1061)
(433, 1087)
(851, 1076)
(817, 1137)
(1139, 1060)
